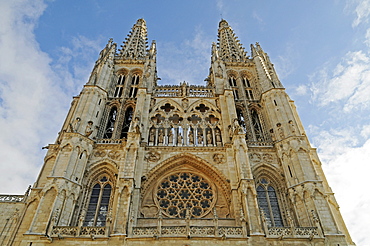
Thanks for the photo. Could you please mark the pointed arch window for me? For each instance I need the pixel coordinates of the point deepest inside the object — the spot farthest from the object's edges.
(268, 203)
(120, 85)
(134, 85)
(126, 122)
(241, 119)
(257, 127)
(97, 209)
(232, 81)
(109, 129)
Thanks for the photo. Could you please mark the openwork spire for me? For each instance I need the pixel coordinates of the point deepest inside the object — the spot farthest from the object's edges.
(135, 46)
(229, 46)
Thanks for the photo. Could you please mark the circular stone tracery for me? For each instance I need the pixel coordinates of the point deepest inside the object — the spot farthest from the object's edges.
(182, 193)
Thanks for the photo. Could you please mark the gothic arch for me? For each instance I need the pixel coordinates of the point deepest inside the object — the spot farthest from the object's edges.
(156, 108)
(136, 71)
(271, 172)
(193, 165)
(95, 169)
(122, 71)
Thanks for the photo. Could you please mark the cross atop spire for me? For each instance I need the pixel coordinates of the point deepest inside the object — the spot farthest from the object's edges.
(135, 46)
(229, 46)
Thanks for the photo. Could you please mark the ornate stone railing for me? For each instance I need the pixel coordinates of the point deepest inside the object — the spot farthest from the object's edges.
(200, 92)
(293, 231)
(12, 198)
(108, 141)
(75, 231)
(183, 231)
(179, 91)
(259, 144)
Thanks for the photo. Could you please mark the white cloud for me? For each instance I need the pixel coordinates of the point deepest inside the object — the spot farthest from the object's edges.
(362, 12)
(34, 95)
(301, 90)
(349, 83)
(346, 168)
(367, 37)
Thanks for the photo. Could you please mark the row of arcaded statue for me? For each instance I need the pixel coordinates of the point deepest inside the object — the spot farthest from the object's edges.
(183, 137)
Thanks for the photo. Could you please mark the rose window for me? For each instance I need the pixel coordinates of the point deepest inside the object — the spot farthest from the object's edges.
(180, 194)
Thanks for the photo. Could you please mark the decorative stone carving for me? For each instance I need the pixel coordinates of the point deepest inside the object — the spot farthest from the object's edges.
(152, 156)
(114, 154)
(100, 153)
(219, 158)
(89, 129)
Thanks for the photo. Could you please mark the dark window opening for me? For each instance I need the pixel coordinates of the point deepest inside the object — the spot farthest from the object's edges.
(232, 81)
(127, 121)
(257, 125)
(111, 122)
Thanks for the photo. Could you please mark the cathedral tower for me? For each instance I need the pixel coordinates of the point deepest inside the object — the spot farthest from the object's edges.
(227, 163)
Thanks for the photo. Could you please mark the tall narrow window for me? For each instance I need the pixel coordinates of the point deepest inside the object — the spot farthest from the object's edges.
(134, 85)
(232, 81)
(119, 86)
(246, 82)
(241, 119)
(256, 125)
(268, 203)
(111, 123)
(97, 210)
(126, 122)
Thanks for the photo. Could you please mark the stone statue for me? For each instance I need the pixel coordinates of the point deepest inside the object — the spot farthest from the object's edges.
(89, 128)
(160, 136)
(191, 137)
(200, 138)
(209, 137)
(280, 131)
(151, 135)
(179, 138)
(74, 126)
(292, 128)
(218, 136)
(135, 125)
(170, 137)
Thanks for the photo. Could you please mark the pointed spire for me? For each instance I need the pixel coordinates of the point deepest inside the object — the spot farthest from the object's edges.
(135, 46)
(229, 46)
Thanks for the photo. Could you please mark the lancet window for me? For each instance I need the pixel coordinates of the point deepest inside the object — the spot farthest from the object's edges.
(109, 129)
(134, 85)
(199, 127)
(120, 85)
(241, 119)
(268, 203)
(98, 206)
(256, 124)
(126, 122)
(232, 83)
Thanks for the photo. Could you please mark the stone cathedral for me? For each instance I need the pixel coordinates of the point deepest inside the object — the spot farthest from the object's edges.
(141, 163)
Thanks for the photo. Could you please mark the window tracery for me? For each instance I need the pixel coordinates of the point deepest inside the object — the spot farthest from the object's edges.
(134, 85)
(256, 125)
(185, 194)
(109, 129)
(98, 206)
(268, 203)
(170, 126)
(126, 122)
(120, 85)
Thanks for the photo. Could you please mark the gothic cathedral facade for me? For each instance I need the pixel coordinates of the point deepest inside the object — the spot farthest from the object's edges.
(139, 163)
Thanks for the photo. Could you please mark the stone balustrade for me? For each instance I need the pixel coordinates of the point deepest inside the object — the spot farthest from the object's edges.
(108, 141)
(179, 91)
(12, 198)
(75, 231)
(293, 231)
(184, 231)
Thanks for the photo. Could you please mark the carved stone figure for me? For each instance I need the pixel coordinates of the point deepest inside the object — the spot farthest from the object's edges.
(200, 138)
(292, 128)
(179, 138)
(280, 131)
(161, 136)
(152, 156)
(218, 136)
(151, 135)
(74, 126)
(135, 125)
(219, 158)
(209, 137)
(191, 137)
(89, 129)
(170, 137)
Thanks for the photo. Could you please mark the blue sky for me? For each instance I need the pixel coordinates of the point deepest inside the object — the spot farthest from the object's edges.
(321, 51)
